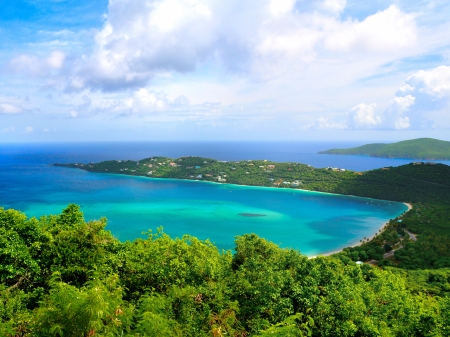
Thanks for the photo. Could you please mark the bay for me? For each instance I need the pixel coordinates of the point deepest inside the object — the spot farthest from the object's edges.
(312, 222)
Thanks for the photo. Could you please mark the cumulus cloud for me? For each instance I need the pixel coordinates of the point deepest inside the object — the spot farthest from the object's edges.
(424, 94)
(395, 114)
(141, 103)
(10, 108)
(142, 39)
(363, 116)
(29, 129)
(417, 105)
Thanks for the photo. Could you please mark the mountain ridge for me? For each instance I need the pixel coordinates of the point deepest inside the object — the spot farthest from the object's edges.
(419, 148)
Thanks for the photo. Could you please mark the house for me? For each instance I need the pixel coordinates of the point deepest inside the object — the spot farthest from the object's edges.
(199, 176)
(197, 167)
(270, 166)
(172, 164)
(220, 179)
(149, 173)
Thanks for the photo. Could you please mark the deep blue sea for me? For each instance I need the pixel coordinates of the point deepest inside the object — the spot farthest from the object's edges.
(312, 222)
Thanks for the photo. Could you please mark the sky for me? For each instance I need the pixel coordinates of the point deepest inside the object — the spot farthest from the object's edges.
(204, 70)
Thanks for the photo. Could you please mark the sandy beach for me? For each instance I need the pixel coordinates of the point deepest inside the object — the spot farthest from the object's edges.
(370, 238)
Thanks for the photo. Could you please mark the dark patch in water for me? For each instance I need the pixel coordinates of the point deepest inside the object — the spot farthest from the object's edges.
(251, 215)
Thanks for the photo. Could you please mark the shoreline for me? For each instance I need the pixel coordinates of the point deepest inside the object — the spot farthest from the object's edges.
(287, 189)
(382, 228)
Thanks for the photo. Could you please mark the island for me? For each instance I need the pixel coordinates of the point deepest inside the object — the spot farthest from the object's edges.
(421, 148)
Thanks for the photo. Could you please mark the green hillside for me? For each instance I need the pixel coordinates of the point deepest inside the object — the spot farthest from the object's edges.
(421, 148)
(62, 276)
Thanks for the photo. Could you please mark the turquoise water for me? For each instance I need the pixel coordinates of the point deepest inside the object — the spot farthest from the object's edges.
(312, 222)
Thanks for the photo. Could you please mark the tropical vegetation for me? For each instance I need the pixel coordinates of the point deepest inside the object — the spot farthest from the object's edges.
(62, 276)
(421, 148)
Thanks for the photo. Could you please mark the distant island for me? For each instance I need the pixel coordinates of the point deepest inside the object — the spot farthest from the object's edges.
(421, 148)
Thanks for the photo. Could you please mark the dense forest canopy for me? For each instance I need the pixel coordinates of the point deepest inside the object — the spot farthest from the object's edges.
(61, 276)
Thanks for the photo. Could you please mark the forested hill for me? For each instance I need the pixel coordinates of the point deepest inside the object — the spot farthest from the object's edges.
(421, 148)
(425, 185)
(425, 182)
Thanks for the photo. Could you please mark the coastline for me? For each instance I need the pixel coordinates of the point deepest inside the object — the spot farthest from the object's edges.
(382, 228)
(287, 189)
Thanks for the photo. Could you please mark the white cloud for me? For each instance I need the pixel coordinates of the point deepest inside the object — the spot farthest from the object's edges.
(395, 114)
(9, 108)
(434, 82)
(323, 123)
(29, 129)
(35, 66)
(280, 7)
(56, 59)
(390, 30)
(423, 101)
(363, 116)
(143, 39)
(143, 103)
(333, 6)
(8, 130)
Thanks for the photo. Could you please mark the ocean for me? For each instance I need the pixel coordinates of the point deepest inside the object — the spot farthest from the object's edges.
(312, 222)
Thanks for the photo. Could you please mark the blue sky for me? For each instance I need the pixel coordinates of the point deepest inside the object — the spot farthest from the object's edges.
(218, 70)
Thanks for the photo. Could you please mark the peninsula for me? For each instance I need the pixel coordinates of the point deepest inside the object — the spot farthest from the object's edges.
(421, 148)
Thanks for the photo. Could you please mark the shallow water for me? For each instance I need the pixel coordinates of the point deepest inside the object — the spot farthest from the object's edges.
(312, 222)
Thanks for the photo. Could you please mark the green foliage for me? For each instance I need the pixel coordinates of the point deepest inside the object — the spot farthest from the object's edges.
(95, 309)
(293, 326)
(421, 148)
(61, 276)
